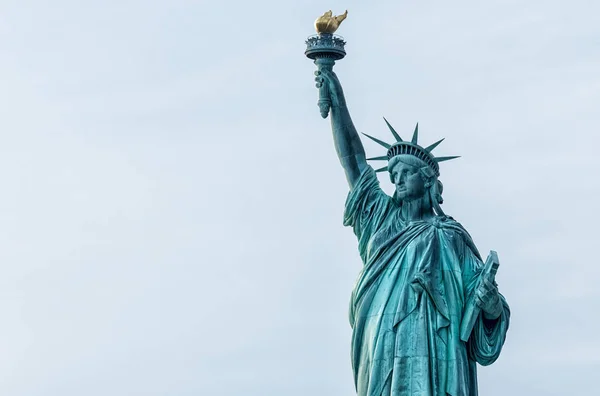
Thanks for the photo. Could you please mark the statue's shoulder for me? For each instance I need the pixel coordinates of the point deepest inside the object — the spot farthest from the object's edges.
(450, 226)
(445, 222)
(455, 232)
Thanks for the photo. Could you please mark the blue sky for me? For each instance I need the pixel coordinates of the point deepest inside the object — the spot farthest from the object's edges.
(171, 216)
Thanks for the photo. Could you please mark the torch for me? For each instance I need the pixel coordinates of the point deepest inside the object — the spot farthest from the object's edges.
(325, 48)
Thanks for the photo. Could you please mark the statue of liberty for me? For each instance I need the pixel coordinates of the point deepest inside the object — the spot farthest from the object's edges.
(425, 308)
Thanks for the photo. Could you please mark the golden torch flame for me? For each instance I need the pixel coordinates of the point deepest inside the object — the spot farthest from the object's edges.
(327, 23)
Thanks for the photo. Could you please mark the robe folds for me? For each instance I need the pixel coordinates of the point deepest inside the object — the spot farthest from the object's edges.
(407, 305)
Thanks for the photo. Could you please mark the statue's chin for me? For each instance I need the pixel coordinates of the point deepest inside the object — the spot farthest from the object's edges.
(401, 194)
(403, 197)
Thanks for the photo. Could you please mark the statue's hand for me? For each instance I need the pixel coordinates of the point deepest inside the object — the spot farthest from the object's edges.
(488, 299)
(330, 87)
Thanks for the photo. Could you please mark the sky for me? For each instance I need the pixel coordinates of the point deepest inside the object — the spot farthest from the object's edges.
(171, 210)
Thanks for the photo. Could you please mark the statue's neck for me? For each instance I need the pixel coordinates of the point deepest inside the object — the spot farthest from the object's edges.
(418, 209)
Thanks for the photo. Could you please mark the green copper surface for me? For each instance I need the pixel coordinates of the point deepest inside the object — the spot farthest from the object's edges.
(425, 308)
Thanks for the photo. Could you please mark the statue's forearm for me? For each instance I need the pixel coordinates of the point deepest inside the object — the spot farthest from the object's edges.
(347, 143)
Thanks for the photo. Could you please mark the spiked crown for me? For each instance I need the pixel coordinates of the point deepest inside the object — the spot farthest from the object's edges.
(400, 147)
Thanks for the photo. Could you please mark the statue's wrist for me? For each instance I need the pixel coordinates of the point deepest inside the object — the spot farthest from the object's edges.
(493, 313)
(339, 103)
(488, 316)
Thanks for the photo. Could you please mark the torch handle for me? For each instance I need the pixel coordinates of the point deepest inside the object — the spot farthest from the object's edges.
(324, 102)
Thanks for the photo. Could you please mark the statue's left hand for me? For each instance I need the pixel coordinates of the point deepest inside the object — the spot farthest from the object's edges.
(488, 299)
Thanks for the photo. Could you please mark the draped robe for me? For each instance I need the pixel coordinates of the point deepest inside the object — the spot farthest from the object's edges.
(407, 305)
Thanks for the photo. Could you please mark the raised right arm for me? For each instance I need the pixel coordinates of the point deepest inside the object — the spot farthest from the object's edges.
(348, 146)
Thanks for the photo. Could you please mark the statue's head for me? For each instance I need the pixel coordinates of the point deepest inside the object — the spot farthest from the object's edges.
(411, 176)
(413, 169)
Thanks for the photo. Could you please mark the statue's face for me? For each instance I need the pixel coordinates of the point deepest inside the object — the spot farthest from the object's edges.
(408, 180)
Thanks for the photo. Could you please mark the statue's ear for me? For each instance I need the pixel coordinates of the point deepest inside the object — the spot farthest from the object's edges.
(428, 176)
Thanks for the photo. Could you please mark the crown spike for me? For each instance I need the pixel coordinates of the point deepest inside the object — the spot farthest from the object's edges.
(415, 136)
(384, 169)
(441, 159)
(384, 144)
(382, 158)
(430, 148)
(396, 136)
